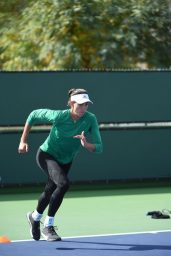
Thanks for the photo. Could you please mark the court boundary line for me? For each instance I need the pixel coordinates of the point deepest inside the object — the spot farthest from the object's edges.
(115, 234)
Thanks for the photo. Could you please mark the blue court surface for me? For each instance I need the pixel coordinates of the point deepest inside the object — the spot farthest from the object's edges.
(145, 244)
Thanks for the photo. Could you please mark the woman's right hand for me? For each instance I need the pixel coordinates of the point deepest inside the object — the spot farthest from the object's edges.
(23, 147)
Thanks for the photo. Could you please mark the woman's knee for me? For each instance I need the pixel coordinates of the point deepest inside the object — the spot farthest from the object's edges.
(64, 185)
(49, 189)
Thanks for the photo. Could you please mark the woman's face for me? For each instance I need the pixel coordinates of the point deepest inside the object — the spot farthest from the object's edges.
(78, 110)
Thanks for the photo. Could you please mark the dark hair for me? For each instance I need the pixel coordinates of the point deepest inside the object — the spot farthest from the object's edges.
(74, 91)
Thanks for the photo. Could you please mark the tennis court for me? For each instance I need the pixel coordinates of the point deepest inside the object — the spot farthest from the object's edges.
(144, 244)
(98, 219)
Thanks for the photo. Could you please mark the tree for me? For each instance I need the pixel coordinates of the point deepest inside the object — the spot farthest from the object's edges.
(80, 34)
(142, 33)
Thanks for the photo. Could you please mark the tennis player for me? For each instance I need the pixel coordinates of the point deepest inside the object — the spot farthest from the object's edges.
(69, 131)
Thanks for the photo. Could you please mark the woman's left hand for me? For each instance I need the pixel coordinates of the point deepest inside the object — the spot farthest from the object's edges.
(82, 138)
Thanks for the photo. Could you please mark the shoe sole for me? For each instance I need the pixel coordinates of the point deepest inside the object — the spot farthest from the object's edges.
(31, 227)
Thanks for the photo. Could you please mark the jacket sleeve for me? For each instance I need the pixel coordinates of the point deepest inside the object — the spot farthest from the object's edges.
(96, 137)
(42, 116)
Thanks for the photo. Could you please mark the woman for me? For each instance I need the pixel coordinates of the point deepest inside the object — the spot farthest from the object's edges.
(55, 156)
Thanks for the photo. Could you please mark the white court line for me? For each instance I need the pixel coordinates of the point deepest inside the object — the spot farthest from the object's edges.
(116, 234)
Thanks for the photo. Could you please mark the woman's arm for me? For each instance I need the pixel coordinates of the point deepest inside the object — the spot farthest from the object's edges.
(89, 146)
(23, 145)
(96, 145)
(96, 136)
(37, 116)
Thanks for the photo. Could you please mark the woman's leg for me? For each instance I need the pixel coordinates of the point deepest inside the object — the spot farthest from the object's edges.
(54, 191)
(52, 195)
(56, 186)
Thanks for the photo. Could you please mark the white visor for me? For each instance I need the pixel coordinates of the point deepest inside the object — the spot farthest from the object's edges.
(81, 98)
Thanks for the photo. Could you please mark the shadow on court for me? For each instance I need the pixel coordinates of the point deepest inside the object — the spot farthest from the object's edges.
(130, 247)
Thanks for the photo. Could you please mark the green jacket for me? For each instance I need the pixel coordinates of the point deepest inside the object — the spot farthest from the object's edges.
(60, 142)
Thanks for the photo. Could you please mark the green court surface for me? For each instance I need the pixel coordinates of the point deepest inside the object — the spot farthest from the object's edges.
(90, 210)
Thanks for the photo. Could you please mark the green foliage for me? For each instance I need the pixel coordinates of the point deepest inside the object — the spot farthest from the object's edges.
(80, 34)
(141, 34)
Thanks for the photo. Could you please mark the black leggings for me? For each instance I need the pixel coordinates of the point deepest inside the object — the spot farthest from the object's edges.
(57, 183)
